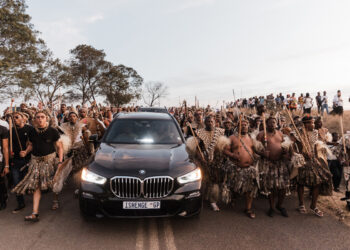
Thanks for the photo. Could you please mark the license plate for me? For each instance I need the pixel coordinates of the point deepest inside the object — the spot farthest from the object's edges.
(141, 204)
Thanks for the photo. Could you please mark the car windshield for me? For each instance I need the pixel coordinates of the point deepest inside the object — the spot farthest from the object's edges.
(143, 131)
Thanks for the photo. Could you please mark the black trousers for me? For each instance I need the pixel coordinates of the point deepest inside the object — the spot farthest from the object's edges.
(3, 188)
(337, 171)
(18, 175)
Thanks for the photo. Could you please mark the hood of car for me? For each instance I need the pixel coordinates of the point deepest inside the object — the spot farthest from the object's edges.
(141, 160)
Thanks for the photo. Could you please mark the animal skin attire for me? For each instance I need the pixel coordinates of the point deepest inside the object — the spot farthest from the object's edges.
(316, 171)
(77, 155)
(42, 165)
(212, 144)
(245, 180)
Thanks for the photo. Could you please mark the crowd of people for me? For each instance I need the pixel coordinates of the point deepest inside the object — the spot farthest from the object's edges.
(249, 147)
(292, 102)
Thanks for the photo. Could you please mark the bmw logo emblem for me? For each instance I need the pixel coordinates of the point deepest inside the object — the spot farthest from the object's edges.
(142, 171)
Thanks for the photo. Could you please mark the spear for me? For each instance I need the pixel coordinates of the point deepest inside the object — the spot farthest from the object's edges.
(265, 130)
(195, 135)
(239, 132)
(10, 125)
(343, 137)
(297, 131)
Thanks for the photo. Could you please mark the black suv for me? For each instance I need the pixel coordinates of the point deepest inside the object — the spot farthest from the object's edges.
(141, 169)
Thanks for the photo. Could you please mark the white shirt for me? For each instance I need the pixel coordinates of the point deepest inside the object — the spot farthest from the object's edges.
(338, 101)
(324, 99)
(308, 103)
(4, 123)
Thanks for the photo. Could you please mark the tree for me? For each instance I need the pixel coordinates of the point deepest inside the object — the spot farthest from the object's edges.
(18, 43)
(121, 85)
(87, 68)
(154, 91)
(45, 82)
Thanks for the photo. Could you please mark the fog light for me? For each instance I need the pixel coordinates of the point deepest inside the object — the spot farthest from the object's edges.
(87, 195)
(184, 213)
(193, 195)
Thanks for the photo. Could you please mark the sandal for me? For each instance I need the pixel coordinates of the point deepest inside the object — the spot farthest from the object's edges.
(33, 217)
(55, 205)
(215, 207)
(250, 213)
(302, 209)
(317, 212)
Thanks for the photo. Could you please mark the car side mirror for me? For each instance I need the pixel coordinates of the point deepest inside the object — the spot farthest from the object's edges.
(93, 138)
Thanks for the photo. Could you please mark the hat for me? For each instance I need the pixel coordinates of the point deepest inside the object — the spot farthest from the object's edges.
(307, 118)
(73, 111)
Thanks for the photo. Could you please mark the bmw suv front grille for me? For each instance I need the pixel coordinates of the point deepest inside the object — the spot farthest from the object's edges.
(132, 187)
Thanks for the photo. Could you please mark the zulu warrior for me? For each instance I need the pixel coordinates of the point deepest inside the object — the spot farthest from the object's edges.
(315, 173)
(274, 170)
(241, 163)
(206, 151)
(43, 142)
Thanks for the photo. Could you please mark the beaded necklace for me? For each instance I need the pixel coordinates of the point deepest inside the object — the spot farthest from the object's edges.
(40, 131)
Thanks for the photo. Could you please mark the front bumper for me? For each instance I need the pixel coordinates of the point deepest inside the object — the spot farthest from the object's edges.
(186, 200)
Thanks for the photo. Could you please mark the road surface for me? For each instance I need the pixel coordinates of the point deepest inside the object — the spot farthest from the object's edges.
(227, 229)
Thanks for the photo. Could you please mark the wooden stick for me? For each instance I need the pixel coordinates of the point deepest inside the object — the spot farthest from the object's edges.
(239, 130)
(197, 144)
(307, 140)
(265, 130)
(10, 126)
(188, 124)
(296, 130)
(16, 132)
(342, 134)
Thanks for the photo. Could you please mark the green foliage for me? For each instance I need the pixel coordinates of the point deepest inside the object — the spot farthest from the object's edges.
(87, 67)
(18, 44)
(47, 81)
(121, 85)
(92, 76)
(28, 68)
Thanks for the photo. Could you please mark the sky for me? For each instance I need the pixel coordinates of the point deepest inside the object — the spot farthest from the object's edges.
(208, 48)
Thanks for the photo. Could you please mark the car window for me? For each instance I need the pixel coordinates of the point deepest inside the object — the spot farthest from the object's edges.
(143, 131)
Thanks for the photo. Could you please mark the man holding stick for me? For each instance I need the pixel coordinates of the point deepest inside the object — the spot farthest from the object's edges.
(20, 131)
(275, 170)
(245, 176)
(206, 149)
(43, 141)
(315, 173)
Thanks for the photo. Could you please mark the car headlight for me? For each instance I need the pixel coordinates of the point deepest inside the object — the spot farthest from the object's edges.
(89, 176)
(195, 175)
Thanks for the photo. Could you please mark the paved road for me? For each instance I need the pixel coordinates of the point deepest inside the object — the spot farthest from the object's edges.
(228, 229)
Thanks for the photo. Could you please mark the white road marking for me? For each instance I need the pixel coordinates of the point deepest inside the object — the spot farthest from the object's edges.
(169, 235)
(153, 235)
(140, 236)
